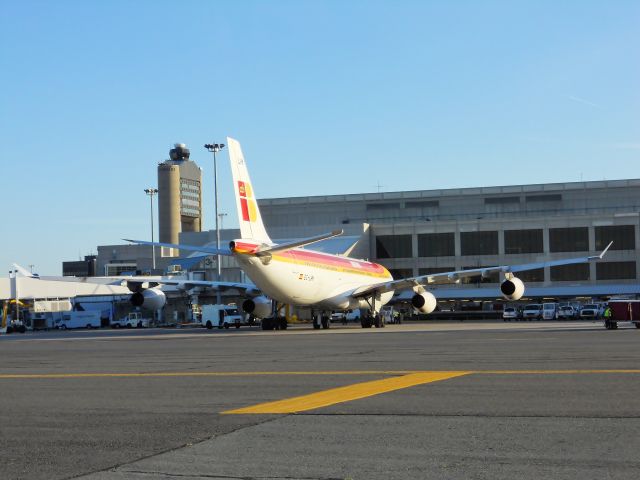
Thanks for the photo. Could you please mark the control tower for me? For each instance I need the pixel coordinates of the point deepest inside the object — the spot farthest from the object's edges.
(180, 195)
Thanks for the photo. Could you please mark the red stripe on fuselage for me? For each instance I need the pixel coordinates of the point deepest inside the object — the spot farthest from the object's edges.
(318, 258)
(332, 261)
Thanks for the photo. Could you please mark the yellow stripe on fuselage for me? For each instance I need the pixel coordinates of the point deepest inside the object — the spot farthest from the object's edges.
(384, 274)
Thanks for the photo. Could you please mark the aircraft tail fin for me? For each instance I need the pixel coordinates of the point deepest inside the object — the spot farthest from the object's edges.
(251, 226)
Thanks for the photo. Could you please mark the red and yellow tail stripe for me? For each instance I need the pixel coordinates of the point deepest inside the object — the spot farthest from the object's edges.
(248, 204)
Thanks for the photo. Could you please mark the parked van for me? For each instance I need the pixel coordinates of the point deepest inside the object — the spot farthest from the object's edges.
(221, 316)
(75, 319)
(533, 311)
(549, 311)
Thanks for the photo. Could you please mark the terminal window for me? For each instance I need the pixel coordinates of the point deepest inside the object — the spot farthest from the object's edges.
(536, 275)
(393, 246)
(436, 245)
(569, 239)
(523, 241)
(422, 204)
(616, 270)
(431, 270)
(623, 237)
(492, 278)
(568, 273)
(398, 273)
(479, 243)
(501, 200)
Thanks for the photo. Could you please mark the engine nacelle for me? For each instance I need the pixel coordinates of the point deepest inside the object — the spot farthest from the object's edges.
(424, 302)
(512, 288)
(150, 298)
(259, 307)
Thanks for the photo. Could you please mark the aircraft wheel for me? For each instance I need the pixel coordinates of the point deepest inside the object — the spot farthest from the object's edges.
(325, 322)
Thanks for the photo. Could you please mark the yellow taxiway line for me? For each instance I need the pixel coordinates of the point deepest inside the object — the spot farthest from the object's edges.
(326, 398)
(399, 379)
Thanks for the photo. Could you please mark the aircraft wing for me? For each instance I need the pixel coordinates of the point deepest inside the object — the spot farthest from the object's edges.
(456, 276)
(134, 282)
(191, 248)
(143, 281)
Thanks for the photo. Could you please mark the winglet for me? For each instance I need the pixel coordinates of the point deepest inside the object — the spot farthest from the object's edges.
(605, 250)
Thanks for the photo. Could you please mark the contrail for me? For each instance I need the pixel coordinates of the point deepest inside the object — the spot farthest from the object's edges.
(582, 100)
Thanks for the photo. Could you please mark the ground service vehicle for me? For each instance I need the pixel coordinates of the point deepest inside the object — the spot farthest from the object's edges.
(510, 313)
(567, 312)
(549, 311)
(533, 311)
(221, 316)
(78, 319)
(131, 320)
(623, 311)
(590, 311)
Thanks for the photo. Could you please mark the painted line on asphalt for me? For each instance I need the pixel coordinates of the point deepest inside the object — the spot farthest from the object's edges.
(310, 373)
(348, 393)
(200, 374)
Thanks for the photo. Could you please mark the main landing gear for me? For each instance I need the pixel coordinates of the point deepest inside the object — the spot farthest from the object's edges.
(276, 321)
(372, 318)
(321, 320)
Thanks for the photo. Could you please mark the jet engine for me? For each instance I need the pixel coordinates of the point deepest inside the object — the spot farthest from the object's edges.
(512, 288)
(424, 302)
(259, 307)
(149, 298)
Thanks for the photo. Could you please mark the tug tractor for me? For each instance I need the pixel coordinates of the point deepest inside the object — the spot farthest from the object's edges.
(13, 325)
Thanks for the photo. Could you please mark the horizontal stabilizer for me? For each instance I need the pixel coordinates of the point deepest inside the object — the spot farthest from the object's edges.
(190, 248)
(298, 243)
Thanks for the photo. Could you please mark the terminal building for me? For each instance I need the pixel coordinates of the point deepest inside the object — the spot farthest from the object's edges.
(430, 231)
(418, 232)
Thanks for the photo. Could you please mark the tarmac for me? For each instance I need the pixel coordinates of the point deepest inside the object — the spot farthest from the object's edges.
(442, 400)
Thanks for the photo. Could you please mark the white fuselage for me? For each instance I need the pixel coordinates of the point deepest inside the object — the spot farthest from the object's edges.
(310, 278)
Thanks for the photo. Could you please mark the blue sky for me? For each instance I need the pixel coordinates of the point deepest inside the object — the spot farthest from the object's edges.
(326, 97)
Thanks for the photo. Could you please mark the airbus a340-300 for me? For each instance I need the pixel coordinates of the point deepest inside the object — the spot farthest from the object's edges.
(293, 275)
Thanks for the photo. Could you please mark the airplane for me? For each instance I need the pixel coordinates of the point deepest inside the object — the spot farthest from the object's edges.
(293, 275)
(144, 291)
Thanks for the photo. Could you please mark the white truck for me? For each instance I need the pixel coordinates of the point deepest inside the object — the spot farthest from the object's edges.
(533, 311)
(78, 319)
(221, 316)
(549, 311)
(131, 320)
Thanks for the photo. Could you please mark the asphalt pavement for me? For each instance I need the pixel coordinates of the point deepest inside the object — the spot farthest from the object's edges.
(432, 400)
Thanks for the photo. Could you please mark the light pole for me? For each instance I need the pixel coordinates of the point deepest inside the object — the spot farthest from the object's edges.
(215, 148)
(221, 217)
(151, 192)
